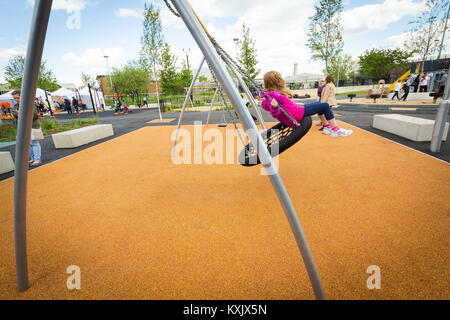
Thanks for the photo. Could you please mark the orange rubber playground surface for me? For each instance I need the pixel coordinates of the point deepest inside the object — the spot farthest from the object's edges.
(141, 227)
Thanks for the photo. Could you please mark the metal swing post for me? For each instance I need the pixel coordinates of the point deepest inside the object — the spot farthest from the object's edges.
(207, 48)
(249, 96)
(36, 41)
(184, 105)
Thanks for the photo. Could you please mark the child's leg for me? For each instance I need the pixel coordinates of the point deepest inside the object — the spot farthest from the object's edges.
(323, 119)
(331, 128)
(321, 108)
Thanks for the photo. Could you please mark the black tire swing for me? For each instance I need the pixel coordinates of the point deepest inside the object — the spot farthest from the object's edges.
(279, 136)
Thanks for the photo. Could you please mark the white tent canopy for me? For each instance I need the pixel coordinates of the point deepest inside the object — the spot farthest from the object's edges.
(40, 94)
(64, 93)
(97, 96)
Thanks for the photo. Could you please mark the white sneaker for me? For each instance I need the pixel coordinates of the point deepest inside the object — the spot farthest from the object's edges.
(326, 130)
(341, 133)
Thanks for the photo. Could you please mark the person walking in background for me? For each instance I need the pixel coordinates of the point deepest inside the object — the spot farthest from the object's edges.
(416, 82)
(322, 85)
(319, 96)
(424, 83)
(328, 96)
(406, 87)
(125, 106)
(397, 88)
(68, 106)
(36, 131)
(329, 92)
(144, 102)
(75, 104)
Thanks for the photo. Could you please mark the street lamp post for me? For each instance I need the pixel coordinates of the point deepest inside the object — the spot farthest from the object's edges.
(187, 57)
(110, 80)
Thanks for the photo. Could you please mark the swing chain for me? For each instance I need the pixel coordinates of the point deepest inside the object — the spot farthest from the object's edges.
(171, 9)
(229, 61)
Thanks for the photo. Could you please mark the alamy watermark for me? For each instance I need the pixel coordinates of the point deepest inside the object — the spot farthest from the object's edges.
(74, 281)
(374, 281)
(214, 146)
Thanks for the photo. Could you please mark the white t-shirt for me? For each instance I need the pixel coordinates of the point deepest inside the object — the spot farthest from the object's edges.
(397, 86)
(425, 81)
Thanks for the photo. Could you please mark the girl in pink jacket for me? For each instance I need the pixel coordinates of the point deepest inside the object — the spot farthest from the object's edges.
(276, 89)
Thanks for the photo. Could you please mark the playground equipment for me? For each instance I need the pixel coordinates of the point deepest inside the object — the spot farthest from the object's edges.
(214, 53)
(36, 41)
(403, 77)
(383, 93)
(351, 96)
(5, 110)
(375, 97)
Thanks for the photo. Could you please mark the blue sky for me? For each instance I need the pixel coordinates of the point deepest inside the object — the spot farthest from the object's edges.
(114, 27)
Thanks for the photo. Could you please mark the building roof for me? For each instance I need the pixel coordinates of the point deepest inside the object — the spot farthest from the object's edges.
(304, 77)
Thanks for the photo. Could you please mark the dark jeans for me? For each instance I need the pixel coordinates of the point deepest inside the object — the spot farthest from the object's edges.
(423, 88)
(405, 95)
(395, 95)
(319, 108)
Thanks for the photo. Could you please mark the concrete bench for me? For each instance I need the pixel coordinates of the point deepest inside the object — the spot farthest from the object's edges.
(416, 129)
(82, 136)
(6, 162)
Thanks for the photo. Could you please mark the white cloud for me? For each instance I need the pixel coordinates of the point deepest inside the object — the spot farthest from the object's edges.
(92, 61)
(280, 30)
(9, 53)
(128, 13)
(276, 29)
(378, 16)
(69, 6)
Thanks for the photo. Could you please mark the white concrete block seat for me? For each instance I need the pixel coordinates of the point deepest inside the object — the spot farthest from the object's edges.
(6, 162)
(82, 136)
(413, 128)
(413, 95)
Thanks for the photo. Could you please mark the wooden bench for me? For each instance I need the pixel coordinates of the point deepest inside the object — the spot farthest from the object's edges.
(413, 128)
(82, 136)
(6, 162)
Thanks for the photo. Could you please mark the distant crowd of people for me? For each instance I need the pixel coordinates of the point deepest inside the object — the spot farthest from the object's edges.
(67, 105)
(418, 83)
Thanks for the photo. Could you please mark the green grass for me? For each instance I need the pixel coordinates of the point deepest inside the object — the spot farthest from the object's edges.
(7, 132)
(358, 93)
(49, 127)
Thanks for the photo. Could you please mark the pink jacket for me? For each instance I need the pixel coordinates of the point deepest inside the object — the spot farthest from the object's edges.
(288, 105)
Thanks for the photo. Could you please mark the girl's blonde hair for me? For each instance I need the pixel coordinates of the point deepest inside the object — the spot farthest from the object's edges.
(274, 82)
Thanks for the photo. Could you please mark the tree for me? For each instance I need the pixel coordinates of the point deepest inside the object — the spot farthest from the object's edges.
(427, 30)
(202, 78)
(382, 63)
(168, 72)
(14, 75)
(342, 67)
(184, 77)
(130, 78)
(152, 40)
(85, 78)
(247, 57)
(324, 37)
